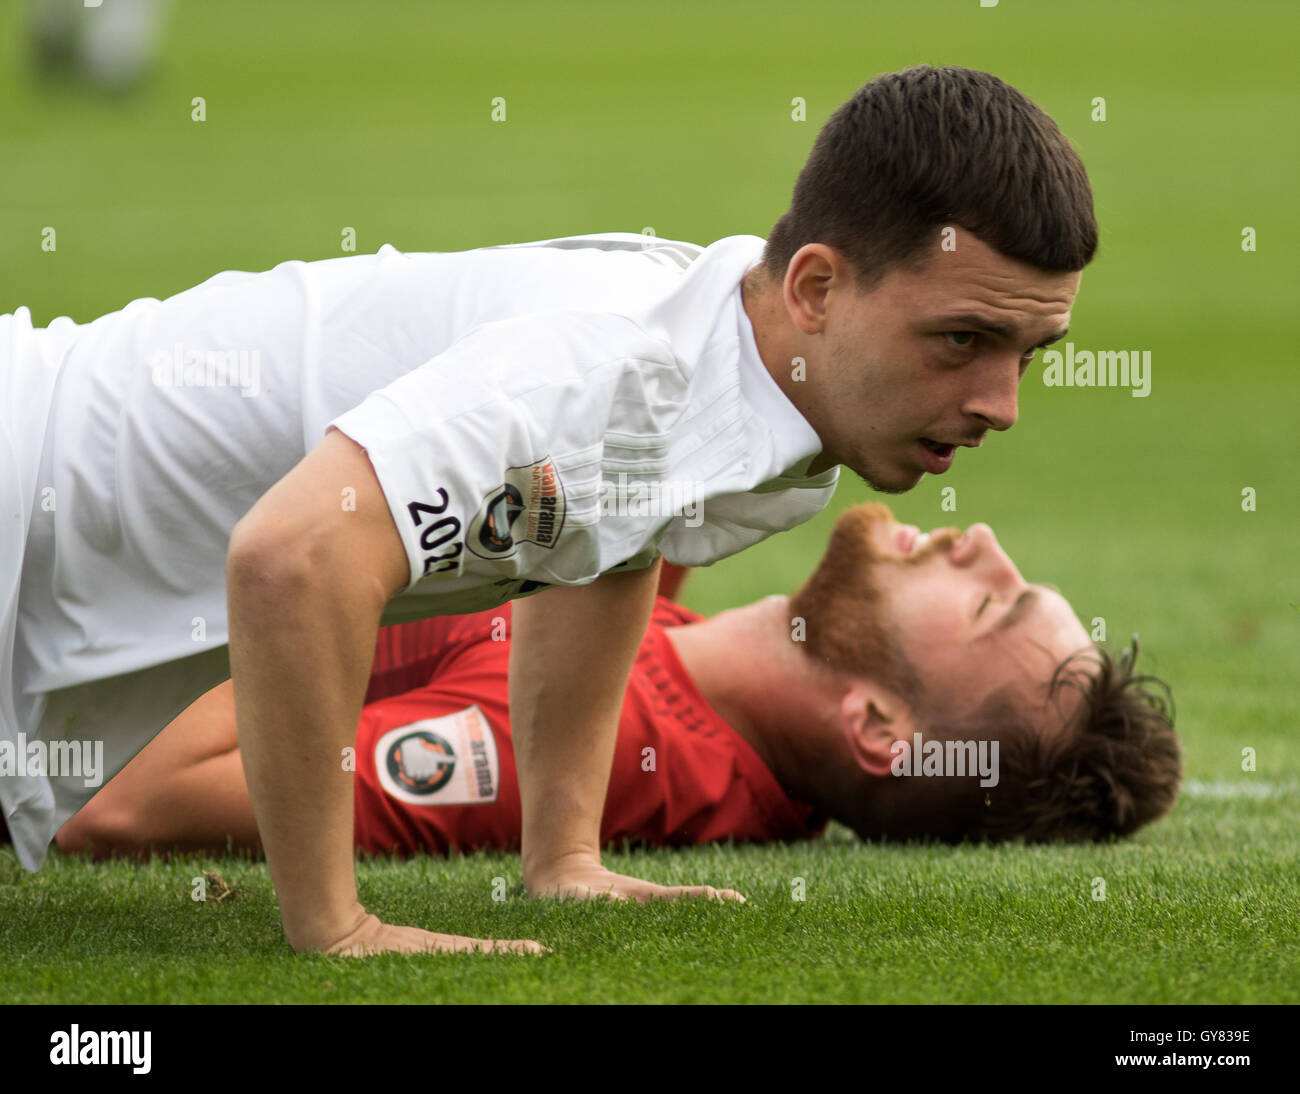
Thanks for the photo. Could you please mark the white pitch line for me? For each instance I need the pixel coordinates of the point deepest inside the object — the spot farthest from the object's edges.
(1238, 788)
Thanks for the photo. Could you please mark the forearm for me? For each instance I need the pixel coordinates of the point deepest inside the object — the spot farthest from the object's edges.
(300, 649)
(571, 651)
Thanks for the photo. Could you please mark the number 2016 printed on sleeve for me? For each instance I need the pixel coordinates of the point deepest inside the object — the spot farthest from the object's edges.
(436, 534)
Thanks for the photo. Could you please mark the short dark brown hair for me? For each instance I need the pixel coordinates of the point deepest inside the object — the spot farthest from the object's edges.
(1113, 768)
(917, 150)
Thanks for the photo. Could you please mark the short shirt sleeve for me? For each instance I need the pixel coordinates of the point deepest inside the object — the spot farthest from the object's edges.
(489, 455)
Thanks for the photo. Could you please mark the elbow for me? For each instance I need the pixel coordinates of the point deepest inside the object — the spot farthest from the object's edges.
(276, 569)
(265, 562)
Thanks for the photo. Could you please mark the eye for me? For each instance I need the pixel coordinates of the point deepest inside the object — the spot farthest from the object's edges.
(984, 605)
(1030, 355)
(954, 334)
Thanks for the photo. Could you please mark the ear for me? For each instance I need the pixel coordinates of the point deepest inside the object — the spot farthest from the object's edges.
(877, 726)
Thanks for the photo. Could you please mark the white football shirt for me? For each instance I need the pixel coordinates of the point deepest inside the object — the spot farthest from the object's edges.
(536, 414)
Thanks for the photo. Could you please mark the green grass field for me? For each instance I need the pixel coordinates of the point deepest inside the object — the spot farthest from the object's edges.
(338, 115)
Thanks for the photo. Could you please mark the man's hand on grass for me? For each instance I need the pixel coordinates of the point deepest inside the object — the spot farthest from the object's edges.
(584, 879)
(372, 936)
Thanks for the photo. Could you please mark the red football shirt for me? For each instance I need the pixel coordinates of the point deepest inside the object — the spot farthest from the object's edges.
(436, 767)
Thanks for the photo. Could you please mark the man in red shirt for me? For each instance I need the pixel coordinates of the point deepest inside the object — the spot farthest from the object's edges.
(902, 653)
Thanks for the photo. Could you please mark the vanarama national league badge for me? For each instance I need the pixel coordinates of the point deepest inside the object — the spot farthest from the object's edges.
(527, 508)
(451, 760)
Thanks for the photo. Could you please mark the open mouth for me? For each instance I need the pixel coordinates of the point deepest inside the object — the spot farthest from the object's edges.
(944, 450)
(935, 458)
(908, 539)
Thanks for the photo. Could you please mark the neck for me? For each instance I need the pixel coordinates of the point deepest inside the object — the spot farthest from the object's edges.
(784, 707)
(763, 304)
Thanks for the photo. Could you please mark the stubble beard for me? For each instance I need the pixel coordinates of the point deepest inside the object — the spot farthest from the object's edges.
(863, 466)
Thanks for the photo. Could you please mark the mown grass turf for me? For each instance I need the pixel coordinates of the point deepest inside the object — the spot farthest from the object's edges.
(1213, 921)
(378, 118)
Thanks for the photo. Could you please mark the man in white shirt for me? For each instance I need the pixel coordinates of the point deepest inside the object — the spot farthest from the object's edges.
(250, 476)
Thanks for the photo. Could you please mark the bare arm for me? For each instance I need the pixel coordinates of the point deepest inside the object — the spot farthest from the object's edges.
(307, 581)
(571, 651)
(184, 790)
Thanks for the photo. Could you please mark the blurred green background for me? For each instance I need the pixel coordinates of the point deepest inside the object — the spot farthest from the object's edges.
(678, 118)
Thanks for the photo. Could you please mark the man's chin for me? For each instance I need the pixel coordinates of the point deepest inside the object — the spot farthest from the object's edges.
(899, 482)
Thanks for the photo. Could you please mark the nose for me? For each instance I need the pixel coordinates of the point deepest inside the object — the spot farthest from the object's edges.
(980, 550)
(994, 401)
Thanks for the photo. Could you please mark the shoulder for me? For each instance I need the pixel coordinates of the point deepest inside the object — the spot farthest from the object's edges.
(570, 362)
(583, 336)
